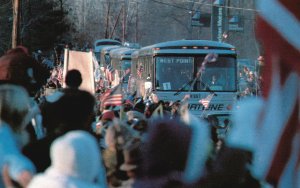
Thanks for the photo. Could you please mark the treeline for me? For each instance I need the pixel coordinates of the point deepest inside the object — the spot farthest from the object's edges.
(41, 26)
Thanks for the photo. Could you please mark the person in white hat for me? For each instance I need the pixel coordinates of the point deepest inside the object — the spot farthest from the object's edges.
(75, 163)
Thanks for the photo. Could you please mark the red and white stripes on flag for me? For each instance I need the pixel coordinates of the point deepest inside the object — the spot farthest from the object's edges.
(109, 75)
(60, 74)
(140, 71)
(57, 75)
(112, 97)
(205, 102)
(277, 156)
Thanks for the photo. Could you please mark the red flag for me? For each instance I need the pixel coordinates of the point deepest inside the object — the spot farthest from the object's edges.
(277, 157)
(112, 97)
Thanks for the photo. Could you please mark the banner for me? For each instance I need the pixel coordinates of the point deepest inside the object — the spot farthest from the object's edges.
(82, 61)
(218, 22)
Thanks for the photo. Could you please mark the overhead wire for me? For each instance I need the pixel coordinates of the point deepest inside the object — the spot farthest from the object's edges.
(206, 4)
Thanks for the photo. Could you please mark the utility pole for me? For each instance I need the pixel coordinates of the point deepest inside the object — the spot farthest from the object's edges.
(16, 17)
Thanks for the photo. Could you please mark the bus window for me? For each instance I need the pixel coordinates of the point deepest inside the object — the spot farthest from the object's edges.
(126, 66)
(173, 72)
(218, 76)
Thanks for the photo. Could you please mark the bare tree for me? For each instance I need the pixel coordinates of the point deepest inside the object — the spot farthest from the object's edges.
(116, 22)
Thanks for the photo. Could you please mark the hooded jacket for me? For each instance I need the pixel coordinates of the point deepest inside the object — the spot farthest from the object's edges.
(75, 163)
(10, 154)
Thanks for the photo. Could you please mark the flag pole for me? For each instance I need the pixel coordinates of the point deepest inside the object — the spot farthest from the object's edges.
(208, 59)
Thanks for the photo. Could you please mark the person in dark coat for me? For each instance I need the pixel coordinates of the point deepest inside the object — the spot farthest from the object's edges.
(71, 110)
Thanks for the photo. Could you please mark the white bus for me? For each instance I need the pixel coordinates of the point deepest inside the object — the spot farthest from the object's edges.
(172, 69)
(120, 59)
(100, 43)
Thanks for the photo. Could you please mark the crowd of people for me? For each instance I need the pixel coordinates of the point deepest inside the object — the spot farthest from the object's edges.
(250, 81)
(63, 140)
(137, 144)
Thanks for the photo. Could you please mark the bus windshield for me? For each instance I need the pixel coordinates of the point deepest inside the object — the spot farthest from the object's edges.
(126, 65)
(174, 73)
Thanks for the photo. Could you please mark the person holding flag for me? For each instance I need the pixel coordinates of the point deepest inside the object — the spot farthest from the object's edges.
(140, 71)
(112, 97)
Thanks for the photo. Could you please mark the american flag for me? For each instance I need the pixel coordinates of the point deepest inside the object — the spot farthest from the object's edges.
(205, 101)
(109, 74)
(140, 71)
(108, 63)
(109, 71)
(110, 68)
(60, 74)
(57, 75)
(277, 155)
(112, 97)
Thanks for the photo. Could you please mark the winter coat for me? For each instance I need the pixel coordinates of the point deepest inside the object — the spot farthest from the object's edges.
(10, 154)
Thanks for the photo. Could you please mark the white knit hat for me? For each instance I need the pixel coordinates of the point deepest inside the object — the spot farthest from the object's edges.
(76, 163)
(76, 154)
